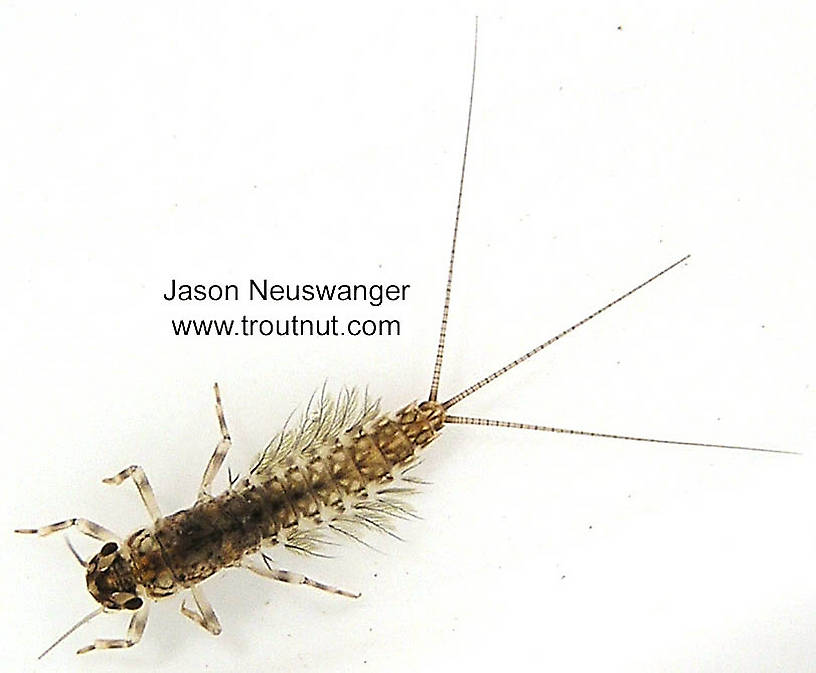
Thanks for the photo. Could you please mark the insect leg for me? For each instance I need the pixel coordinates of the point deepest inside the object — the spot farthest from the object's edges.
(217, 459)
(134, 633)
(142, 484)
(86, 527)
(291, 577)
(205, 617)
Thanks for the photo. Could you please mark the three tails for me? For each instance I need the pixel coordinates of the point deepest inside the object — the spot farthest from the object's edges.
(437, 369)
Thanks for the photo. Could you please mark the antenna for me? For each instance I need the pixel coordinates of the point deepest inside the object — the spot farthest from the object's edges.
(81, 622)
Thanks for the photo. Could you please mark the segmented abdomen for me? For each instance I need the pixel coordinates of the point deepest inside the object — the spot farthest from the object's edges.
(335, 485)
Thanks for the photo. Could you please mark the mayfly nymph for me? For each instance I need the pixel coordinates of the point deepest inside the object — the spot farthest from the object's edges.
(345, 468)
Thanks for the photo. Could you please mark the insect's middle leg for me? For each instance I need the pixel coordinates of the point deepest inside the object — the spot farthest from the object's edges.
(217, 459)
(134, 633)
(290, 577)
(142, 484)
(205, 617)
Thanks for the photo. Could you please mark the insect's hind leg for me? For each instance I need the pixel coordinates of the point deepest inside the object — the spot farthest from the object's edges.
(290, 577)
(217, 459)
(139, 477)
(205, 617)
(85, 527)
(134, 633)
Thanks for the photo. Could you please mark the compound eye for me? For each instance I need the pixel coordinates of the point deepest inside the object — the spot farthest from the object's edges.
(133, 604)
(109, 548)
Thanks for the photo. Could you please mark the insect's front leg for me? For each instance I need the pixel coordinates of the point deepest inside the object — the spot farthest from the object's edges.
(217, 459)
(205, 617)
(134, 633)
(86, 527)
(139, 477)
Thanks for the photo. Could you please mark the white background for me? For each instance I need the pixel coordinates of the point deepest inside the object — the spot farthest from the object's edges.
(211, 143)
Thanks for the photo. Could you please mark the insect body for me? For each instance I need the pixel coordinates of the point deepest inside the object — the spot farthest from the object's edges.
(343, 469)
(312, 477)
(335, 481)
